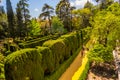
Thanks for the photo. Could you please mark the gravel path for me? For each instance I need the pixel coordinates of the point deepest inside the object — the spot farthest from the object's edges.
(67, 75)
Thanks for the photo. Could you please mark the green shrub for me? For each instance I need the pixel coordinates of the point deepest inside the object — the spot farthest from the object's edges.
(99, 54)
(72, 40)
(22, 64)
(36, 42)
(1, 58)
(2, 76)
(58, 50)
(47, 59)
(61, 69)
(35, 63)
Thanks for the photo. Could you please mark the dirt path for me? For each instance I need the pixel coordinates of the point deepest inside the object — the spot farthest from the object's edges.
(67, 75)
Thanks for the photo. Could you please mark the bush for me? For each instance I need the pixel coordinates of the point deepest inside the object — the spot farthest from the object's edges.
(61, 69)
(99, 53)
(36, 42)
(2, 76)
(58, 50)
(57, 26)
(22, 64)
(1, 58)
(72, 41)
(47, 59)
(35, 63)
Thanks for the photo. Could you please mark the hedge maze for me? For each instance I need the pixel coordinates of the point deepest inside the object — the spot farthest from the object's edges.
(40, 61)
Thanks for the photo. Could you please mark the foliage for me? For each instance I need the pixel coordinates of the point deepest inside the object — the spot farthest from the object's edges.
(58, 50)
(46, 14)
(1, 58)
(37, 42)
(23, 18)
(114, 9)
(88, 5)
(99, 54)
(22, 64)
(35, 63)
(11, 19)
(34, 28)
(105, 3)
(56, 75)
(105, 27)
(57, 26)
(87, 32)
(71, 40)
(63, 12)
(76, 22)
(82, 17)
(47, 59)
(2, 76)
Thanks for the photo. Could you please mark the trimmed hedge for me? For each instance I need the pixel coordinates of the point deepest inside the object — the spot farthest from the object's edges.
(61, 69)
(2, 76)
(72, 41)
(36, 63)
(47, 59)
(58, 50)
(24, 64)
(37, 42)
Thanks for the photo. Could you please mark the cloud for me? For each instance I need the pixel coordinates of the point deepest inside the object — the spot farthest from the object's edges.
(36, 9)
(80, 3)
(72, 3)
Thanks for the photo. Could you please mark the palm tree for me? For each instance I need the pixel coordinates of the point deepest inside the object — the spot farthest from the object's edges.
(47, 10)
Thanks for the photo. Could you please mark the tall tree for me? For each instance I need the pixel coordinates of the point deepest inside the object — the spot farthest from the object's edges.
(11, 19)
(105, 3)
(3, 25)
(71, 17)
(2, 10)
(63, 12)
(47, 10)
(88, 5)
(20, 27)
(23, 17)
(34, 27)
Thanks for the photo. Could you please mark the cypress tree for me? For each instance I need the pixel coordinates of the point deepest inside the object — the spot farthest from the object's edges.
(20, 27)
(11, 19)
(23, 17)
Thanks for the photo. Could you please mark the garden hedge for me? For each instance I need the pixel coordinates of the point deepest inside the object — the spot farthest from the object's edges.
(72, 40)
(58, 50)
(36, 42)
(47, 59)
(36, 63)
(24, 64)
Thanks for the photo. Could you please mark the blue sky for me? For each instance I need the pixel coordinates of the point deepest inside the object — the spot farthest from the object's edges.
(35, 6)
